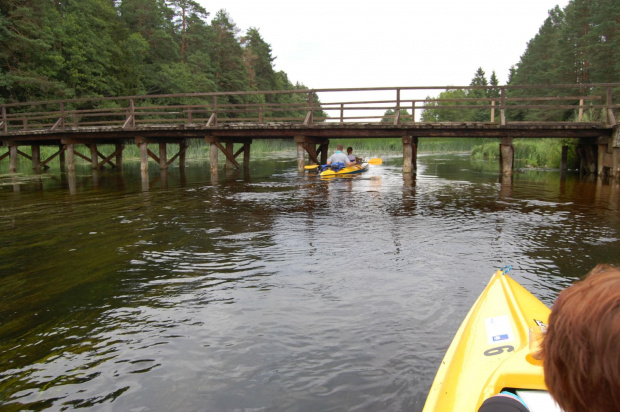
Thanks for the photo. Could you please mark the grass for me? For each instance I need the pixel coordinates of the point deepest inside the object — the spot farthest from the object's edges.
(545, 153)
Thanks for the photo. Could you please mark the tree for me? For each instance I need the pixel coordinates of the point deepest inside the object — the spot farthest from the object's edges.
(30, 51)
(389, 113)
(478, 115)
(188, 13)
(89, 48)
(259, 61)
(227, 55)
(439, 110)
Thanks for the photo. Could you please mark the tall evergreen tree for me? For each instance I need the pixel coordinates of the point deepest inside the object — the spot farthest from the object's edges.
(31, 61)
(259, 60)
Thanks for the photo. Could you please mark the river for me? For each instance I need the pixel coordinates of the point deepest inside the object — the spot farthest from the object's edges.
(267, 290)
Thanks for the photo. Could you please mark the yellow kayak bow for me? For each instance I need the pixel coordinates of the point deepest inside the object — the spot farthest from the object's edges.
(491, 351)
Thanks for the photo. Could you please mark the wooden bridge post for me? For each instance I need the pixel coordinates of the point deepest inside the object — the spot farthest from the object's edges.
(94, 160)
(615, 172)
(213, 152)
(182, 149)
(506, 156)
(13, 158)
(301, 153)
(564, 161)
(163, 156)
(70, 157)
(410, 154)
(144, 155)
(246, 156)
(36, 157)
(61, 157)
(119, 155)
(230, 147)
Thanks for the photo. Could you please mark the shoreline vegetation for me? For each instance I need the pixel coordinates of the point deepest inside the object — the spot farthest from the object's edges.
(540, 153)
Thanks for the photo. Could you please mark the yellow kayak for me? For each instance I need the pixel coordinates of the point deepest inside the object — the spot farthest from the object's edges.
(491, 352)
(357, 168)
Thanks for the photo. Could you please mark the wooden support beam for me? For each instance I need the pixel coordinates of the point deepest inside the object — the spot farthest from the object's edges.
(27, 156)
(61, 150)
(213, 152)
(107, 159)
(229, 156)
(564, 161)
(36, 156)
(144, 156)
(323, 150)
(94, 158)
(4, 156)
(212, 120)
(13, 159)
(119, 155)
(229, 149)
(182, 149)
(163, 156)
(181, 154)
(70, 157)
(61, 158)
(301, 158)
(311, 150)
(600, 163)
(246, 156)
(78, 154)
(506, 156)
(408, 154)
(152, 155)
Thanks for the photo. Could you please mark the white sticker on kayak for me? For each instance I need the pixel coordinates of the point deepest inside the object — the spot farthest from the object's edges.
(498, 329)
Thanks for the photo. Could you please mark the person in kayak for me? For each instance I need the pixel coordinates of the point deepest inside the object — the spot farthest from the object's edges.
(581, 349)
(504, 402)
(339, 157)
(352, 158)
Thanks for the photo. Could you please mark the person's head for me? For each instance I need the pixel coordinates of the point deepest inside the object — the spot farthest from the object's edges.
(349, 150)
(339, 147)
(581, 349)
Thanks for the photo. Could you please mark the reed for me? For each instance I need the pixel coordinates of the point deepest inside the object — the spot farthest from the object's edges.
(532, 152)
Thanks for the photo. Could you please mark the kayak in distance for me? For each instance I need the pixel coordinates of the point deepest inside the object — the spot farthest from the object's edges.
(339, 169)
(494, 350)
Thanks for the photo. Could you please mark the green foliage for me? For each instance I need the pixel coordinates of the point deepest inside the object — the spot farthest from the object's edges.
(545, 153)
(388, 116)
(579, 44)
(439, 110)
(86, 48)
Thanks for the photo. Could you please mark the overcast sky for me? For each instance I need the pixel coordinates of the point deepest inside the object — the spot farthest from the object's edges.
(362, 43)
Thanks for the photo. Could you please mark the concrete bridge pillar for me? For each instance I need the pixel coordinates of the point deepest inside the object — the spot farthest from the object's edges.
(506, 156)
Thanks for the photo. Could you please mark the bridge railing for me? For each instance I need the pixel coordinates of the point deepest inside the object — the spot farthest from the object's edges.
(388, 105)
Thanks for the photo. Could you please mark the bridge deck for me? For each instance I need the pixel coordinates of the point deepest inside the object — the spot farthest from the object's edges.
(320, 130)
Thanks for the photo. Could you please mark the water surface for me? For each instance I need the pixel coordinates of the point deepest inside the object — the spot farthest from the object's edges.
(270, 290)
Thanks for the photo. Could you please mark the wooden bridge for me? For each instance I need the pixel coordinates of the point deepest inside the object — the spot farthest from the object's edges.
(224, 120)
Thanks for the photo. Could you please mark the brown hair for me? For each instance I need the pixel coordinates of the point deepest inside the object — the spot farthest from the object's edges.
(581, 350)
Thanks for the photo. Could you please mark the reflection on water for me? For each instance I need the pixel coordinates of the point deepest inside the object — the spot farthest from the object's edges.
(268, 290)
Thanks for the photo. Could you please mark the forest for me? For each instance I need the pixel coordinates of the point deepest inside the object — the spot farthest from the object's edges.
(60, 49)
